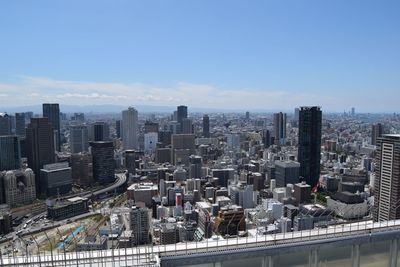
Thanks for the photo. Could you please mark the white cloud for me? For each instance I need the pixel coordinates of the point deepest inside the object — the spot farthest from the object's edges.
(92, 95)
(36, 89)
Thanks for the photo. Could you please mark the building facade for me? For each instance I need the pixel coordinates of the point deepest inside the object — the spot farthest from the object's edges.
(18, 187)
(130, 130)
(280, 128)
(39, 146)
(103, 161)
(52, 112)
(206, 126)
(387, 178)
(82, 169)
(10, 153)
(309, 151)
(79, 138)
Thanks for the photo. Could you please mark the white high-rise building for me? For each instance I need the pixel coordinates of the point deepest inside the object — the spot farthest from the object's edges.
(130, 129)
(150, 142)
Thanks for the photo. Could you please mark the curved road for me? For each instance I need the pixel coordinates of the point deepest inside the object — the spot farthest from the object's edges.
(120, 180)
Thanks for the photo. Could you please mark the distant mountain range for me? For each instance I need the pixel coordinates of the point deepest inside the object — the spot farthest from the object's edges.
(117, 108)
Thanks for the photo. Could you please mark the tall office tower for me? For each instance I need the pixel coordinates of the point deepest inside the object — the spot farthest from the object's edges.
(182, 113)
(10, 153)
(140, 224)
(99, 131)
(309, 152)
(82, 169)
(150, 127)
(130, 129)
(267, 138)
(387, 178)
(20, 124)
(103, 161)
(118, 125)
(52, 111)
(280, 127)
(353, 112)
(130, 161)
(186, 126)
(195, 164)
(164, 137)
(5, 124)
(39, 147)
(206, 126)
(183, 146)
(174, 127)
(296, 114)
(286, 172)
(150, 142)
(247, 115)
(78, 138)
(377, 131)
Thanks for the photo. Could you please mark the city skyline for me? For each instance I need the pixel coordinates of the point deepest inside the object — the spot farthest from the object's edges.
(264, 55)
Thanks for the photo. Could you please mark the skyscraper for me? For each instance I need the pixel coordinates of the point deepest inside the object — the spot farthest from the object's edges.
(267, 138)
(280, 127)
(82, 169)
(20, 124)
(5, 124)
(206, 126)
(118, 128)
(39, 146)
(99, 131)
(296, 114)
(387, 178)
(377, 131)
(130, 129)
(78, 138)
(195, 164)
(139, 219)
(309, 152)
(52, 111)
(186, 126)
(10, 153)
(150, 142)
(103, 161)
(183, 146)
(182, 113)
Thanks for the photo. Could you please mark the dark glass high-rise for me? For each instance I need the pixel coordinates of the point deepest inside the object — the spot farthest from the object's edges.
(309, 153)
(52, 111)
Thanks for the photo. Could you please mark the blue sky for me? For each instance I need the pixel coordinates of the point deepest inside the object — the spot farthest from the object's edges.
(231, 54)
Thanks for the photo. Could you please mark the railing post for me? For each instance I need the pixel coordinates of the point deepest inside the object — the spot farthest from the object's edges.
(394, 244)
(355, 255)
(267, 261)
(313, 258)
